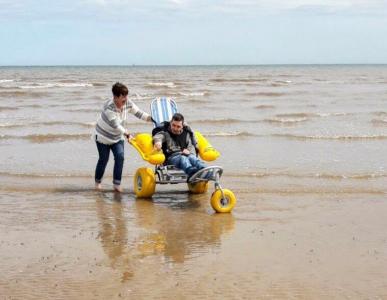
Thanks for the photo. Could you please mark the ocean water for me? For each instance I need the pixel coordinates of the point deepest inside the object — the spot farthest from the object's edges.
(285, 128)
(303, 149)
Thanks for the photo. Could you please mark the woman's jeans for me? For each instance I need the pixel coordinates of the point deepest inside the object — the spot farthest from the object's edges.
(104, 151)
(189, 164)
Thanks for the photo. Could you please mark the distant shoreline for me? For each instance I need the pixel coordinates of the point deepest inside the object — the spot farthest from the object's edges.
(184, 66)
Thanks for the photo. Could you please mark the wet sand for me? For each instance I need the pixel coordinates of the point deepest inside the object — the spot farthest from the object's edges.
(62, 240)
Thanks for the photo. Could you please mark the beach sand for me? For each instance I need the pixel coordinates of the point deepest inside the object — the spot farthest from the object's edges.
(101, 245)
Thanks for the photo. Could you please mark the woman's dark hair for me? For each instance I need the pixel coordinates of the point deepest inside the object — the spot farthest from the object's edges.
(178, 117)
(119, 89)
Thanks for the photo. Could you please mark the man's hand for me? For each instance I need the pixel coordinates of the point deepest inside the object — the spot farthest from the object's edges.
(157, 146)
(186, 152)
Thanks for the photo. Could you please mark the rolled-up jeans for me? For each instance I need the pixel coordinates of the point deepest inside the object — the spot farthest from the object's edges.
(190, 164)
(104, 151)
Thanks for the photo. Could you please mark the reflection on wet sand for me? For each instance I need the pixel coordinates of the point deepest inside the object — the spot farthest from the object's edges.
(113, 232)
(179, 234)
(176, 235)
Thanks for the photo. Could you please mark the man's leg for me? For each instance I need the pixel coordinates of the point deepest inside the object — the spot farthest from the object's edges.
(182, 162)
(196, 162)
(118, 152)
(103, 151)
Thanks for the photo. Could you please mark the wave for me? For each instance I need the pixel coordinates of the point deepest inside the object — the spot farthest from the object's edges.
(223, 121)
(380, 113)
(4, 108)
(45, 138)
(264, 106)
(25, 93)
(37, 175)
(310, 175)
(194, 94)
(99, 84)
(52, 85)
(266, 94)
(311, 115)
(379, 122)
(280, 83)
(48, 123)
(161, 84)
(236, 80)
(337, 137)
(6, 80)
(83, 110)
(49, 137)
(236, 134)
(198, 101)
(286, 121)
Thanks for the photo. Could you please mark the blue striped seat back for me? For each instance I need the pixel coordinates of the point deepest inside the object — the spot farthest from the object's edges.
(162, 109)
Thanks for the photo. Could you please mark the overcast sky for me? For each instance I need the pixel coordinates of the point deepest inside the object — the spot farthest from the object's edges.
(191, 32)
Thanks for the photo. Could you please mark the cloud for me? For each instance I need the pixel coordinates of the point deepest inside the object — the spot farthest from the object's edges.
(26, 10)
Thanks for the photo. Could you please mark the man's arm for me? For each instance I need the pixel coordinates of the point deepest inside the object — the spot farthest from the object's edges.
(158, 141)
(190, 145)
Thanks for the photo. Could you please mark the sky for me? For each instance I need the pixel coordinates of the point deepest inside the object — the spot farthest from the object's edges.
(192, 32)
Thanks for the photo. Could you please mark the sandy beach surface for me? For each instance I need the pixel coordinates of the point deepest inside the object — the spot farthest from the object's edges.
(101, 245)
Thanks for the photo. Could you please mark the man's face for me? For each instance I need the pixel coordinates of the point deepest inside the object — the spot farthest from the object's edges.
(176, 127)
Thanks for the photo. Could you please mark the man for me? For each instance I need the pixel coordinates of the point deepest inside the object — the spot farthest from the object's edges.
(109, 133)
(178, 144)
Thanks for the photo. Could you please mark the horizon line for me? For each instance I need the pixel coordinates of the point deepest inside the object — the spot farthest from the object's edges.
(196, 65)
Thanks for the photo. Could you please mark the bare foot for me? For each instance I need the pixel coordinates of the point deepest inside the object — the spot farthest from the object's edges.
(98, 186)
(117, 188)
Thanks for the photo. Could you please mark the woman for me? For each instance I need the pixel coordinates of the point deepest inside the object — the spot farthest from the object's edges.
(109, 133)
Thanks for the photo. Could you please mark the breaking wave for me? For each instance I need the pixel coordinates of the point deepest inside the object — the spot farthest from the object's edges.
(310, 175)
(234, 134)
(52, 85)
(161, 84)
(286, 120)
(49, 137)
(337, 137)
(223, 121)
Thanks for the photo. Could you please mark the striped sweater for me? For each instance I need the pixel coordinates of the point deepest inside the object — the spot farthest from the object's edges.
(109, 128)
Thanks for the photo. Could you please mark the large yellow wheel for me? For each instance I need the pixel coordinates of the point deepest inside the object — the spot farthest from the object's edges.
(199, 187)
(144, 183)
(223, 204)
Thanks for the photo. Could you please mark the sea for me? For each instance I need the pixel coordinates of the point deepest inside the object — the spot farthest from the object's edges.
(286, 128)
(285, 133)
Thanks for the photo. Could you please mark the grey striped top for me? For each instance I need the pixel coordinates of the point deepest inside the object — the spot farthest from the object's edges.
(109, 128)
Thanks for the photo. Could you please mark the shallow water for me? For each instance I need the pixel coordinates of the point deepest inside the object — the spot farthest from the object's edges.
(303, 149)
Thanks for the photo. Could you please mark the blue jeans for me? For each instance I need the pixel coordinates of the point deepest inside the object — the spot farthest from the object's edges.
(189, 164)
(104, 151)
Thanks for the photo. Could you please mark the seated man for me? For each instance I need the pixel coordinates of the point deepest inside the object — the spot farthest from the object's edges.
(178, 144)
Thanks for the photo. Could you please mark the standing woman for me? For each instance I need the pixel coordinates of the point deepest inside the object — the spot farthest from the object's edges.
(109, 133)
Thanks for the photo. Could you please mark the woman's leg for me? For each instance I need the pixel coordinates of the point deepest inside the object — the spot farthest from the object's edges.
(118, 152)
(103, 151)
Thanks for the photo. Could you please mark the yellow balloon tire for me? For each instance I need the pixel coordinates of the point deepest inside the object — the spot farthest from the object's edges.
(223, 205)
(198, 188)
(144, 183)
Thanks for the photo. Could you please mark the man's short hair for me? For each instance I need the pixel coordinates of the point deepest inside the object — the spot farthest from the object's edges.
(178, 117)
(119, 89)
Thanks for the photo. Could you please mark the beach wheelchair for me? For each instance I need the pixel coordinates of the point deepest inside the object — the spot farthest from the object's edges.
(145, 179)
